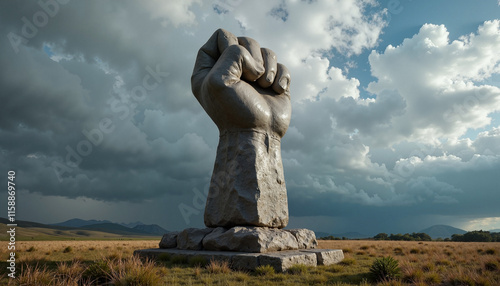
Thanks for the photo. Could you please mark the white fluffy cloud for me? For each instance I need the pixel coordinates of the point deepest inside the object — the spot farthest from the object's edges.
(440, 82)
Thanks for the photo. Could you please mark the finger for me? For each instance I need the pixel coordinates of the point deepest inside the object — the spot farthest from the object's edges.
(270, 65)
(208, 55)
(282, 80)
(235, 63)
(253, 47)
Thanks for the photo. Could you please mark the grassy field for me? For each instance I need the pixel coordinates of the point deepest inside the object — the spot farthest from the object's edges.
(101, 262)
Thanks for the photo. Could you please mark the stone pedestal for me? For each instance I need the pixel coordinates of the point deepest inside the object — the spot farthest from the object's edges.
(240, 238)
(246, 247)
(279, 260)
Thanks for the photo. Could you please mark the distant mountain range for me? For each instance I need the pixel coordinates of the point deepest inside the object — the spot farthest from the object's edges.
(76, 222)
(117, 228)
(435, 231)
(95, 225)
(442, 231)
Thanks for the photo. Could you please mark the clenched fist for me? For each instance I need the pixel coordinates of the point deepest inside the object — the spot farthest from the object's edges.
(241, 85)
(246, 92)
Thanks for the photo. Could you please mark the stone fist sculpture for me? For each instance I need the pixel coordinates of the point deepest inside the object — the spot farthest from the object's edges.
(245, 91)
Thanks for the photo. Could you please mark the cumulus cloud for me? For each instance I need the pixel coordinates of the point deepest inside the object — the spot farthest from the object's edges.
(97, 104)
(438, 81)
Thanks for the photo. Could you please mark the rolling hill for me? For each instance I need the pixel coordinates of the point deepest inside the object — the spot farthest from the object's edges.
(76, 222)
(83, 229)
(442, 231)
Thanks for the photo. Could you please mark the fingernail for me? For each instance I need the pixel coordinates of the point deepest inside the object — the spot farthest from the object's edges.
(284, 83)
(270, 77)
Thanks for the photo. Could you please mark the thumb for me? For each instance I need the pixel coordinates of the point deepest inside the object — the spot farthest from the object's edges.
(208, 55)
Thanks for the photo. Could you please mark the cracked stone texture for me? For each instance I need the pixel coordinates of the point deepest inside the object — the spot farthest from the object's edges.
(169, 240)
(250, 239)
(248, 184)
(305, 238)
(281, 261)
(191, 238)
(327, 256)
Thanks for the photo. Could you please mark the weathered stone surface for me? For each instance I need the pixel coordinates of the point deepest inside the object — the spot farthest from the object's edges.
(249, 239)
(169, 240)
(248, 185)
(327, 256)
(191, 238)
(281, 261)
(305, 238)
(245, 261)
(252, 110)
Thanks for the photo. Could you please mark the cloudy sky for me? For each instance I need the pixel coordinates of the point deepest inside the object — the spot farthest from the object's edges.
(395, 124)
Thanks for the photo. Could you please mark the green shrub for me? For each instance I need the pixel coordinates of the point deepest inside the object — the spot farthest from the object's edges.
(385, 268)
(68, 249)
(264, 270)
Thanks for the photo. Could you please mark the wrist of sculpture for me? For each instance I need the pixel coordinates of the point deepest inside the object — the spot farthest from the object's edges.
(248, 185)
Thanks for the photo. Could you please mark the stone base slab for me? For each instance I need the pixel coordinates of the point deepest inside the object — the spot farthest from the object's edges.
(280, 260)
(240, 239)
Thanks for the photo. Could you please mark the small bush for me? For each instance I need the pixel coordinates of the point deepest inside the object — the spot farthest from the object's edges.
(348, 261)
(432, 278)
(490, 251)
(133, 271)
(68, 249)
(97, 271)
(491, 266)
(335, 268)
(398, 251)
(264, 270)
(414, 276)
(70, 273)
(298, 269)
(428, 267)
(414, 251)
(31, 249)
(35, 275)
(385, 268)
(216, 267)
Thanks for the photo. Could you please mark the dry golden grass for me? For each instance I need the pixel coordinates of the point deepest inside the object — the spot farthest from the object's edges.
(431, 262)
(58, 251)
(100, 262)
